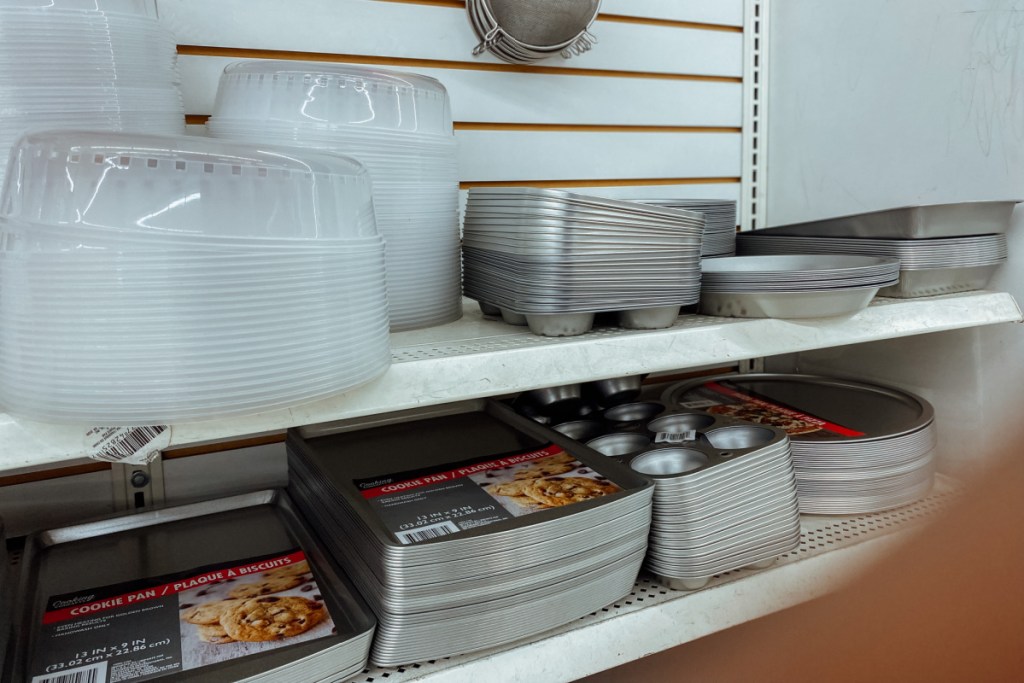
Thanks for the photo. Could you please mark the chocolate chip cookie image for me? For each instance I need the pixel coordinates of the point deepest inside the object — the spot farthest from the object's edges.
(266, 585)
(272, 618)
(559, 491)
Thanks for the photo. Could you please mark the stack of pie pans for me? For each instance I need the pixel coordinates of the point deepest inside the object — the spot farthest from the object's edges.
(940, 265)
(857, 447)
(725, 496)
(719, 222)
(552, 259)
(446, 526)
(527, 31)
(793, 286)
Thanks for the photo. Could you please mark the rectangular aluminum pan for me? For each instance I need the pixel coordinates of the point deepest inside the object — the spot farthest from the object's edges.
(911, 222)
(421, 444)
(935, 281)
(529, 194)
(175, 539)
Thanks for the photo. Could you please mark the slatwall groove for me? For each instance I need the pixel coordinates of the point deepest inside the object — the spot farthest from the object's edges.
(598, 182)
(413, 63)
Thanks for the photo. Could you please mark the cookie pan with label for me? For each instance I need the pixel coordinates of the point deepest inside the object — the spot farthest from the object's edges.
(136, 553)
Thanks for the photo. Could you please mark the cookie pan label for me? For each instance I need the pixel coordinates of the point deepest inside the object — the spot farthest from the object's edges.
(166, 625)
(724, 398)
(420, 506)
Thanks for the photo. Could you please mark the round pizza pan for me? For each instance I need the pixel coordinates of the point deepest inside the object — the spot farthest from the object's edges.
(878, 413)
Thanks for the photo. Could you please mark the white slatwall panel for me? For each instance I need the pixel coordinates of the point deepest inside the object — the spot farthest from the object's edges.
(388, 29)
(655, 110)
(511, 155)
(487, 96)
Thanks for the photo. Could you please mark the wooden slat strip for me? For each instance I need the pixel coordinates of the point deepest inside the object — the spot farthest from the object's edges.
(201, 119)
(220, 447)
(609, 182)
(248, 53)
(622, 18)
(59, 473)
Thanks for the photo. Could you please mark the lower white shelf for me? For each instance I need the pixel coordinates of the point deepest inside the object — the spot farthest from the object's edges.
(652, 618)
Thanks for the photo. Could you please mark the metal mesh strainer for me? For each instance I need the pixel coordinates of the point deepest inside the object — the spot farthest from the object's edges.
(525, 31)
(543, 23)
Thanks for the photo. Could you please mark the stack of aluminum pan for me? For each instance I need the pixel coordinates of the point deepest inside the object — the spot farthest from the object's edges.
(231, 589)
(527, 31)
(720, 222)
(461, 554)
(552, 259)
(942, 248)
(857, 447)
(793, 286)
(725, 497)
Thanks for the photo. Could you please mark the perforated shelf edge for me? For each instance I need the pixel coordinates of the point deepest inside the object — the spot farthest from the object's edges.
(653, 618)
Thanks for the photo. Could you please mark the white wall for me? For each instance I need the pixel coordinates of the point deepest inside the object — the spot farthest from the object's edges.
(877, 104)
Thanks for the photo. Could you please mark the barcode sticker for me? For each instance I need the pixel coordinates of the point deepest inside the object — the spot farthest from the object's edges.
(127, 445)
(428, 532)
(96, 673)
(683, 437)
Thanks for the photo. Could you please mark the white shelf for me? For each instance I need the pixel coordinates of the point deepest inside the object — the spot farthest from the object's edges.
(475, 358)
(652, 619)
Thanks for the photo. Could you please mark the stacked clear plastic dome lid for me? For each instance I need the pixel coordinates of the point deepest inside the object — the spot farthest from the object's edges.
(97, 64)
(156, 279)
(400, 126)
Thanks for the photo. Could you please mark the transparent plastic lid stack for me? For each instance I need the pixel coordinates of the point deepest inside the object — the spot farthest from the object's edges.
(101, 64)
(399, 125)
(152, 279)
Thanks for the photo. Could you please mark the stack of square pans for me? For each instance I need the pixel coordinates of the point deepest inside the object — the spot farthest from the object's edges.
(552, 259)
(942, 248)
(857, 447)
(793, 286)
(720, 222)
(725, 496)
(472, 530)
(232, 589)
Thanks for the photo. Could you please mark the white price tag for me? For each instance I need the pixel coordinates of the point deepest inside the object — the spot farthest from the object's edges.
(667, 437)
(127, 445)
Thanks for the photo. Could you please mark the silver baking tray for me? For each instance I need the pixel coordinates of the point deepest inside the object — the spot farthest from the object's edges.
(166, 541)
(911, 222)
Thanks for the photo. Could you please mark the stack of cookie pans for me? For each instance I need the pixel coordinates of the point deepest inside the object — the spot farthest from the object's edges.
(725, 496)
(720, 222)
(552, 259)
(459, 556)
(857, 447)
(180, 586)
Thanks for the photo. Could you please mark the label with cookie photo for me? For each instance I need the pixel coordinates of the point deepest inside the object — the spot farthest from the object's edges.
(443, 501)
(166, 625)
(725, 398)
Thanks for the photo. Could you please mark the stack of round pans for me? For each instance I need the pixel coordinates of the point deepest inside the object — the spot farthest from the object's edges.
(725, 496)
(527, 31)
(857, 447)
(154, 279)
(458, 554)
(793, 286)
(399, 126)
(719, 226)
(552, 259)
(928, 267)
